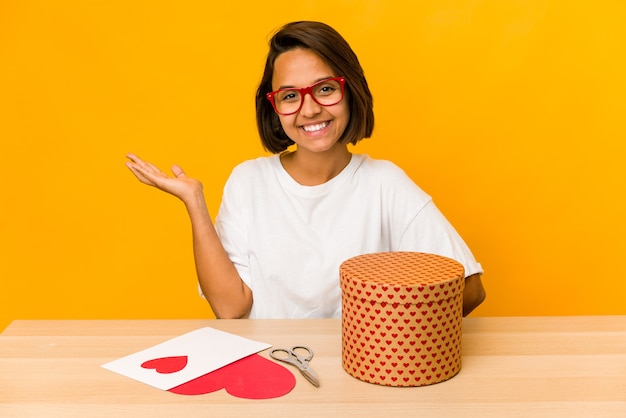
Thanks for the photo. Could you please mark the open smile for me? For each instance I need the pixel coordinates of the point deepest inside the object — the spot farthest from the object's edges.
(315, 127)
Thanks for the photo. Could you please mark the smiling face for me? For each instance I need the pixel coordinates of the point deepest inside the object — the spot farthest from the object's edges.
(313, 128)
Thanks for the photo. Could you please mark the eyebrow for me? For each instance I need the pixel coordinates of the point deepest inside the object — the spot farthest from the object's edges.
(314, 82)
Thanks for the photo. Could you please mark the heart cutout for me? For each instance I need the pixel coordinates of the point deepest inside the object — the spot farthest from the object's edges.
(252, 377)
(166, 365)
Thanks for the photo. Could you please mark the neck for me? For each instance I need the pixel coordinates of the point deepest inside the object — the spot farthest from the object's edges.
(312, 169)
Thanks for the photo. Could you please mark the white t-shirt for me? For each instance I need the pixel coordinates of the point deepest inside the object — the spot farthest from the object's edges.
(287, 241)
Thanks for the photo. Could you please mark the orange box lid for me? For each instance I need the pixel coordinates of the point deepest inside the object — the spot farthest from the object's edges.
(402, 277)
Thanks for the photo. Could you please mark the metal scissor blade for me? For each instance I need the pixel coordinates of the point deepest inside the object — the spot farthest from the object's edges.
(310, 375)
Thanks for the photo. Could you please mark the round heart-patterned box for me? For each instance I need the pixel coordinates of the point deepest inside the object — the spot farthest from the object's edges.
(401, 318)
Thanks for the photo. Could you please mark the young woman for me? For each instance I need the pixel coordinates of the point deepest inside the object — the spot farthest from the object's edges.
(288, 221)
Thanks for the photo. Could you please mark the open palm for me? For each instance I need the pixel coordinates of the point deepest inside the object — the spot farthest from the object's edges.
(179, 185)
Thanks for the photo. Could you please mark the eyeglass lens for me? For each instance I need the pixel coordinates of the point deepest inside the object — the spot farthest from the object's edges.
(325, 93)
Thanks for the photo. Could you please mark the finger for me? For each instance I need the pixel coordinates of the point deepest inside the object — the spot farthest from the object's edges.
(133, 158)
(178, 171)
(153, 168)
(140, 174)
(144, 165)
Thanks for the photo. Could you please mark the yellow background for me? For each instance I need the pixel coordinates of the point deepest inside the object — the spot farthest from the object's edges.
(509, 113)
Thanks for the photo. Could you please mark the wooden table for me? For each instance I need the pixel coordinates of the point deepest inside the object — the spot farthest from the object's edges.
(521, 366)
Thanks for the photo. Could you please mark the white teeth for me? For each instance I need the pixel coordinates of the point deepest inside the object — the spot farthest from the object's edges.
(317, 127)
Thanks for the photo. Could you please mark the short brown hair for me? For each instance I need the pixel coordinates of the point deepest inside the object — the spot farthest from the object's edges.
(336, 52)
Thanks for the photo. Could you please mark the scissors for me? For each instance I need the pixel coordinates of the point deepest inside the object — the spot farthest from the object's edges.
(298, 360)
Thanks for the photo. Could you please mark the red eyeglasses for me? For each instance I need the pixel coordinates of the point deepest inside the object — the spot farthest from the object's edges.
(327, 92)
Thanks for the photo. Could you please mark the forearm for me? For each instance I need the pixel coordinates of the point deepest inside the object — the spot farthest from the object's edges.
(219, 280)
(474, 293)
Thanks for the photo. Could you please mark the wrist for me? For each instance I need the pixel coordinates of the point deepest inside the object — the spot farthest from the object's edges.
(195, 202)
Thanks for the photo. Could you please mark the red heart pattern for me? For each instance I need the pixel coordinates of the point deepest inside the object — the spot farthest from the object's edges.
(166, 365)
(401, 318)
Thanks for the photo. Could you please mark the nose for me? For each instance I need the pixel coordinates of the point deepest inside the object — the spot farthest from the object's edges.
(309, 106)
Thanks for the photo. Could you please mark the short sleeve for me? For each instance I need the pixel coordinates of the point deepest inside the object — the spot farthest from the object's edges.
(431, 232)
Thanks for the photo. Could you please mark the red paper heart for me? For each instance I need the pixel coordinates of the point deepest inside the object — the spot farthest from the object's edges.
(252, 377)
(166, 365)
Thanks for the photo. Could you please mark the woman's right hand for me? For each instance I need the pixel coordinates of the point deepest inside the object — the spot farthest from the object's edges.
(181, 186)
